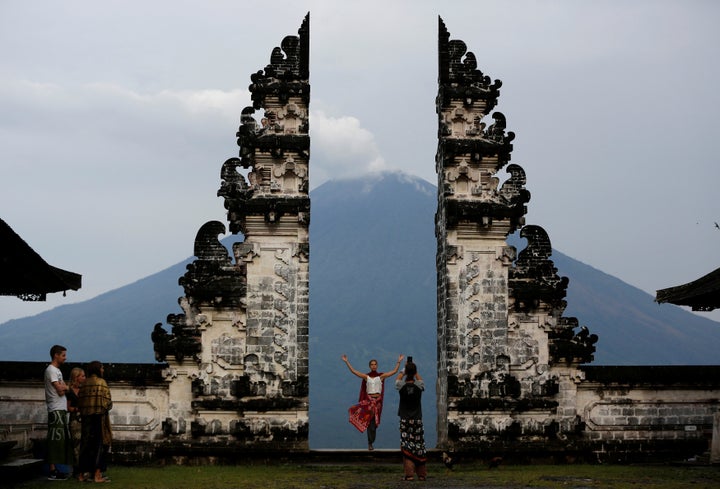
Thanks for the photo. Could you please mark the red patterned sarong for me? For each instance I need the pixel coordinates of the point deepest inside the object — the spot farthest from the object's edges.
(363, 412)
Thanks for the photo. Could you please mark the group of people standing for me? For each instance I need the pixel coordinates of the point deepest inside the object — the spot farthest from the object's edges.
(79, 431)
(365, 415)
(80, 435)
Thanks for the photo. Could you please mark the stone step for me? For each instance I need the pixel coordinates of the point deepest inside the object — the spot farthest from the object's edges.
(14, 470)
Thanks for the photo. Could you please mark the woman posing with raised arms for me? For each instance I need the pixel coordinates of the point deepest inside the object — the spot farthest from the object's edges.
(365, 415)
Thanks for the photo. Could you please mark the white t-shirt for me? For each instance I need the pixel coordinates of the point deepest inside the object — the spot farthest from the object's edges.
(54, 401)
(374, 385)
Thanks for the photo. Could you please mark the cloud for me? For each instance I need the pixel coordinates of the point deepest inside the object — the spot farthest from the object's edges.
(88, 124)
(341, 148)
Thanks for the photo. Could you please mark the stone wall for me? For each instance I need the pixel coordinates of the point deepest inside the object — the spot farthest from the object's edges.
(140, 406)
(630, 413)
(624, 414)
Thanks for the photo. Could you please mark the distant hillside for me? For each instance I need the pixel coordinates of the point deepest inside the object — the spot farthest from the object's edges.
(113, 327)
(372, 295)
(633, 328)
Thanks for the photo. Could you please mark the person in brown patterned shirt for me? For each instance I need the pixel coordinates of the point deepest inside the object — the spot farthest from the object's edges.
(95, 402)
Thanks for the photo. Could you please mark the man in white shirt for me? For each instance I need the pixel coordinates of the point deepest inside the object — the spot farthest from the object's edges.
(59, 442)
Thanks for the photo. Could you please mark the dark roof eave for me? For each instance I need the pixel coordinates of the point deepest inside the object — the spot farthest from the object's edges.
(702, 294)
(24, 273)
(51, 280)
(68, 280)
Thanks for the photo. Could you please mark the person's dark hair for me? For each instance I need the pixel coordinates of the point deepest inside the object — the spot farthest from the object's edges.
(95, 368)
(56, 349)
(410, 370)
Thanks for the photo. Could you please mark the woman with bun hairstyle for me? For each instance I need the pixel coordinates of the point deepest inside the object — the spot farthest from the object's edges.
(412, 435)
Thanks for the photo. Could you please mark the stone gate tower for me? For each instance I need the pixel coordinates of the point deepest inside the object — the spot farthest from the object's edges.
(238, 355)
(506, 356)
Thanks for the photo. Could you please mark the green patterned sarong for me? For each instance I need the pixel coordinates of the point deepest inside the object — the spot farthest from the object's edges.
(59, 441)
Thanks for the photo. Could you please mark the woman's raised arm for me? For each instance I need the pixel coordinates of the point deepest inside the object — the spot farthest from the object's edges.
(394, 371)
(355, 372)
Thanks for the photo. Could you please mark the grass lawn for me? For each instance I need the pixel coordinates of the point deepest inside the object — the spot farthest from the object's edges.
(383, 475)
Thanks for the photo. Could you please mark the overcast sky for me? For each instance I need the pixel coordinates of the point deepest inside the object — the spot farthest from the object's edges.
(116, 116)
